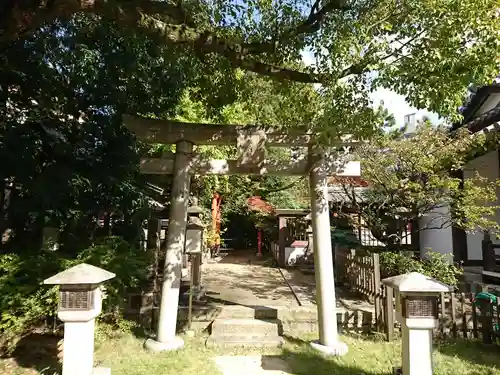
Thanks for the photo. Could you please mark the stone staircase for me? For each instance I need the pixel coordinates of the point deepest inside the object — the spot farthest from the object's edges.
(260, 326)
(246, 326)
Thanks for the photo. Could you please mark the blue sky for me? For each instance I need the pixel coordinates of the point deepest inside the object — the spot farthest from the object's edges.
(395, 103)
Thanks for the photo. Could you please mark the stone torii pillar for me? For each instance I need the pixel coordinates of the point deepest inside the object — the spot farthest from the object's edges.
(167, 320)
(329, 342)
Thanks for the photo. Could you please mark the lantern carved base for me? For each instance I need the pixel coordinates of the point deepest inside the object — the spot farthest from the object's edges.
(339, 349)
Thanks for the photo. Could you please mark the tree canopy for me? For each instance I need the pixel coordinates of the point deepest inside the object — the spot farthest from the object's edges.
(420, 176)
(427, 50)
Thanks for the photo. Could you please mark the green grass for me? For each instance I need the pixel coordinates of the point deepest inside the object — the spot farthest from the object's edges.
(368, 356)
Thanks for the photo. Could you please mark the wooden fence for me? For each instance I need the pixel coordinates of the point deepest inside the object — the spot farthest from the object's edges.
(459, 317)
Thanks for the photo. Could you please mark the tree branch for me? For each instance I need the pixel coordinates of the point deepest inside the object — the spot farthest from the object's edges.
(167, 23)
(370, 57)
(317, 16)
(19, 18)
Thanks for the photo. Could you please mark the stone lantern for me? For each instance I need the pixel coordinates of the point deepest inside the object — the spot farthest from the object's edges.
(194, 241)
(80, 302)
(416, 298)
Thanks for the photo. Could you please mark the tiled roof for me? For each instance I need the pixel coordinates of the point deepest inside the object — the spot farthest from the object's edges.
(484, 120)
(473, 104)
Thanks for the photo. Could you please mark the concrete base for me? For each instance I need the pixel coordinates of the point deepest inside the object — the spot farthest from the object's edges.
(101, 371)
(338, 350)
(176, 343)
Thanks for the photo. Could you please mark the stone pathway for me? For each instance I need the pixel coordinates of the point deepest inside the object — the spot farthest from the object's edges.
(252, 365)
(241, 278)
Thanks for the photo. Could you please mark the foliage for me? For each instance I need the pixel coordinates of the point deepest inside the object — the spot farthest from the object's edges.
(428, 51)
(417, 179)
(105, 330)
(131, 266)
(342, 232)
(344, 238)
(434, 265)
(260, 101)
(25, 302)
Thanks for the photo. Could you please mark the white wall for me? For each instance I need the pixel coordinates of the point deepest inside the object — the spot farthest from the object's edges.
(436, 240)
(487, 166)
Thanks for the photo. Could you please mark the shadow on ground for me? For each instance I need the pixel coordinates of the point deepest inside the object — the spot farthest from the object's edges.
(39, 352)
(245, 256)
(305, 360)
(474, 352)
(243, 277)
(305, 363)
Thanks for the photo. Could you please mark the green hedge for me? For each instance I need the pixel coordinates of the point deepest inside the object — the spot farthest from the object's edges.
(25, 301)
(434, 265)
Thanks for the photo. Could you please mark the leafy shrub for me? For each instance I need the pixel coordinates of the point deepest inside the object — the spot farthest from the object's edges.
(344, 237)
(435, 265)
(25, 302)
(105, 331)
(130, 265)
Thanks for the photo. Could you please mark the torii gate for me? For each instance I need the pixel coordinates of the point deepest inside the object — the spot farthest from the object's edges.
(251, 142)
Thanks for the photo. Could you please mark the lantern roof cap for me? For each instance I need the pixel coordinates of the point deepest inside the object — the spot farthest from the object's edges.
(416, 282)
(81, 274)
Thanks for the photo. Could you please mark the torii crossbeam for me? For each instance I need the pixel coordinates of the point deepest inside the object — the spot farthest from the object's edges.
(251, 142)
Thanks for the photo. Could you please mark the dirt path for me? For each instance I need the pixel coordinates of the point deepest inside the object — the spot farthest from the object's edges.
(241, 278)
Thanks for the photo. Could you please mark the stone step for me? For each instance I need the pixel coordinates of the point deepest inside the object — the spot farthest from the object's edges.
(255, 327)
(248, 312)
(245, 341)
(282, 313)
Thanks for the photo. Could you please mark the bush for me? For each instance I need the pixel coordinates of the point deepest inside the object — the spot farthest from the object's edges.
(344, 238)
(130, 265)
(25, 302)
(435, 265)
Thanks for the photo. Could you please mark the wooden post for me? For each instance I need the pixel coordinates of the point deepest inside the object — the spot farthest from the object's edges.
(191, 291)
(377, 289)
(475, 332)
(442, 301)
(259, 243)
(454, 329)
(282, 236)
(196, 269)
(216, 201)
(465, 326)
(153, 245)
(389, 313)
